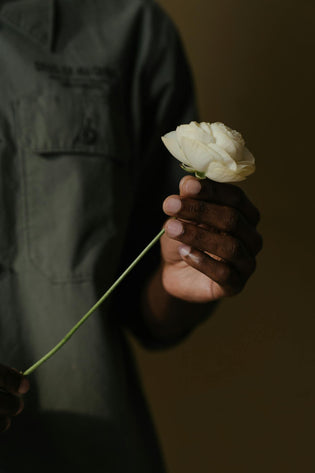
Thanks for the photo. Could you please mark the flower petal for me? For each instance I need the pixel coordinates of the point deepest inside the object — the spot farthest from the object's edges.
(233, 134)
(207, 128)
(245, 169)
(171, 143)
(229, 140)
(198, 154)
(212, 150)
(222, 156)
(195, 131)
(221, 173)
(247, 156)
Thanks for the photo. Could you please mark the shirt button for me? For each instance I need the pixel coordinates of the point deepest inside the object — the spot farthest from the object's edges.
(89, 136)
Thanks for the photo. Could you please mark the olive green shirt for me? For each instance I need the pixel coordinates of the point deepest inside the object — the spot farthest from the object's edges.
(87, 87)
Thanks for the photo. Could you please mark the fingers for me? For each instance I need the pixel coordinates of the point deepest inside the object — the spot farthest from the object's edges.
(221, 194)
(12, 385)
(225, 219)
(222, 245)
(217, 224)
(218, 271)
(12, 381)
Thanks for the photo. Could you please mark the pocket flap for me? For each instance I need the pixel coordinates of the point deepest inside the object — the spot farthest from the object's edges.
(69, 122)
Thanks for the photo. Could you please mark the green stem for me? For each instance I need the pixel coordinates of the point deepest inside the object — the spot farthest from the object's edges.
(95, 306)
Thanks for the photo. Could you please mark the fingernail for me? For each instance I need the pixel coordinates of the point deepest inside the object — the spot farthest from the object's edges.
(192, 186)
(184, 250)
(172, 205)
(174, 228)
(24, 386)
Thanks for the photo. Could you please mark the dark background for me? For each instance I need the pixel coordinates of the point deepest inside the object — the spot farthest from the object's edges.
(239, 395)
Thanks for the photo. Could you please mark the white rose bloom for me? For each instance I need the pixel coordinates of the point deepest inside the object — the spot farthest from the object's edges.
(211, 150)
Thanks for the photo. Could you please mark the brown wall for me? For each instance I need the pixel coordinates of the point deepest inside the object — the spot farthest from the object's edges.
(239, 395)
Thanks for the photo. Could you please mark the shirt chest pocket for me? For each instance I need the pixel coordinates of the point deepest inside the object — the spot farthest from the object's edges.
(76, 177)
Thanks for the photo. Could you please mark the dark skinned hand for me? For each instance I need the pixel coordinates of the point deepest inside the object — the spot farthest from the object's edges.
(12, 385)
(209, 248)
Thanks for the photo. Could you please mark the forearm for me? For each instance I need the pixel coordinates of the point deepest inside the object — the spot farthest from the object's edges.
(168, 318)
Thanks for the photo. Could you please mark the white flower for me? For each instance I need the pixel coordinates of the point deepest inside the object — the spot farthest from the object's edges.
(211, 150)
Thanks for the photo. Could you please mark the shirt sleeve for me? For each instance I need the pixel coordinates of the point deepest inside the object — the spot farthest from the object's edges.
(167, 99)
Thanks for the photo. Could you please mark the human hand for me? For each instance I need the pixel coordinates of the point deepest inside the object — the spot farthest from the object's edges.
(209, 248)
(12, 385)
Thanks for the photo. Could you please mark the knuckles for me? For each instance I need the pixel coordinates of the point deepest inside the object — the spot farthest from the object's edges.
(194, 209)
(233, 249)
(197, 236)
(231, 220)
(201, 210)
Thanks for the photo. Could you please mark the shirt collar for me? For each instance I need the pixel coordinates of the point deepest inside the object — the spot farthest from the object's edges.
(33, 18)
